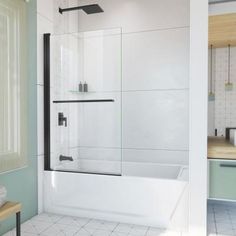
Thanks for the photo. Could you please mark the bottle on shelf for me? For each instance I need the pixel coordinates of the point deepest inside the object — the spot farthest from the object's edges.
(80, 87)
(85, 87)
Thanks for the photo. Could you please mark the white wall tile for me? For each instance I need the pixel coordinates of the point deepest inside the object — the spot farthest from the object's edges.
(155, 156)
(136, 15)
(100, 123)
(45, 8)
(155, 120)
(60, 21)
(92, 153)
(156, 60)
(102, 61)
(73, 17)
(43, 26)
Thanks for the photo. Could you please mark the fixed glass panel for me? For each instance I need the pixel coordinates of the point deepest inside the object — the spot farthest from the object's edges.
(86, 102)
(13, 89)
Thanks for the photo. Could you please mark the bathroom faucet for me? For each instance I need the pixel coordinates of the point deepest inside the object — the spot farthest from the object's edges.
(62, 119)
(65, 158)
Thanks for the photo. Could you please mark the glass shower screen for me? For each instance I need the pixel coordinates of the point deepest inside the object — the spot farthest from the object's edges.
(85, 102)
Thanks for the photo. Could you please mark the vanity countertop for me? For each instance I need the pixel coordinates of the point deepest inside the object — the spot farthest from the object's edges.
(220, 148)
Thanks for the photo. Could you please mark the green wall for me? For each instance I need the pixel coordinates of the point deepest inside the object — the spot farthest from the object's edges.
(22, 184)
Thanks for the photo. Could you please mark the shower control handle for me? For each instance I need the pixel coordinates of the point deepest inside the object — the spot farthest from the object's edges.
(62, 119)
(65, 158)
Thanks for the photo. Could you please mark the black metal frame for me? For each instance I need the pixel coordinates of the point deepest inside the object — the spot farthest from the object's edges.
(18, 230)
(88, 173)
(47, 133)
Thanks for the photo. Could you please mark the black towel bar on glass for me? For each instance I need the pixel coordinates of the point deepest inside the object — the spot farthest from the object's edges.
(84, 101)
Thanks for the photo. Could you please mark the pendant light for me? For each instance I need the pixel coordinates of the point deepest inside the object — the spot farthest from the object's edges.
(211, 95)
(229, 85)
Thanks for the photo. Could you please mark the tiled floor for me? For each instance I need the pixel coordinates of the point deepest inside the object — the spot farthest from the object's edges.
(221, 220)
(56, 225)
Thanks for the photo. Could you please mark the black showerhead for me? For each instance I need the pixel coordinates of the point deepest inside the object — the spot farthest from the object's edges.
(89, 9)
(92, 9)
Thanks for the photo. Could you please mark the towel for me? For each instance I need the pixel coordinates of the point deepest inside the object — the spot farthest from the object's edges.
(3, 195)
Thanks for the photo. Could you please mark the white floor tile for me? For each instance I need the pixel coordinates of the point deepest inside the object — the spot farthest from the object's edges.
(59, 230)
(118, 234)
(100, 232)
(47, 217)
(102, 225)
(13, 233)
(123, 228)
(47, 224)
(154, 232)
(162, 232)
(35, 227)
(85, 232)
(73, 221)
(138, 231)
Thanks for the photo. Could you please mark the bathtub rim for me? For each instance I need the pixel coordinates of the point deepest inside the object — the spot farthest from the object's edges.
(182, 169)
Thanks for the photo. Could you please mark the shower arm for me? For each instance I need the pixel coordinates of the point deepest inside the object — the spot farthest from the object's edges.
(69, 9)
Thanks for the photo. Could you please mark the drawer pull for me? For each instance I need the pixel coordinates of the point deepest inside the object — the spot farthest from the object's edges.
(228, 165)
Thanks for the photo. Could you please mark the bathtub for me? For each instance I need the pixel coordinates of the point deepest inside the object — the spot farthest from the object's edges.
(159, 202)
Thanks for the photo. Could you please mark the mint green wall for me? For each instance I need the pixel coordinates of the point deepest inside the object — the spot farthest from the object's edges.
(22, 184)
(222, 180)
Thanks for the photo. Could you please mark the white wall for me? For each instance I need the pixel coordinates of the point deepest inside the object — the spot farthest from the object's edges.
(198, 117)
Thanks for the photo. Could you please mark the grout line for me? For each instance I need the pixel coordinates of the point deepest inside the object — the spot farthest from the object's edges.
(45, 17)
(213, 210)
(157, 30)
(155, 90)
(128, 32)
(230, 219)
(141, 149)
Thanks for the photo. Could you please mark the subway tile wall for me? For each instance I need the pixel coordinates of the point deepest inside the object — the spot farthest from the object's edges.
(222, 111)
(155, 79)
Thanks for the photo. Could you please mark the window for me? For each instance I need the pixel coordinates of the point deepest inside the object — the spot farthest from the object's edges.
(13, 85)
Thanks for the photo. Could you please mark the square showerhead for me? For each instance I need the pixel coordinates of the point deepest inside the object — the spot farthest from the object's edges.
(92, 9)
(89, 9)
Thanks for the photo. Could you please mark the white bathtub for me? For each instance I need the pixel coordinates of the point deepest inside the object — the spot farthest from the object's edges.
(158, 202)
